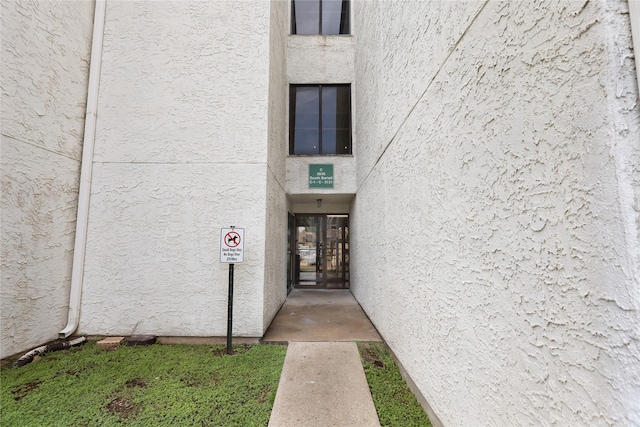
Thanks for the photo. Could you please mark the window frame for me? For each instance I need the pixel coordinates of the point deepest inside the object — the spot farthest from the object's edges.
(320, 33)
(292, 119)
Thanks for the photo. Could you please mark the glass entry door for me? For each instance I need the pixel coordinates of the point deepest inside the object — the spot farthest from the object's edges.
(322, 251)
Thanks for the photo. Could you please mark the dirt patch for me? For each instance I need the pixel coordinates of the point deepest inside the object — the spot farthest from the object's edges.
(369, 355)
(122, 407)
(220, 351)
(7, 362)
(379, 364)
(136, 382)
(20, 392)
(223, 351)
(191, 382)
(199, 381)
(263, 395)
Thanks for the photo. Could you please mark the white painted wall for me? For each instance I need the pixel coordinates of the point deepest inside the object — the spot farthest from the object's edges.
(321, 59)
(344, 175)
(495, 233)
(275, 255)
(181, 152)
(44, 62)
(495, 241)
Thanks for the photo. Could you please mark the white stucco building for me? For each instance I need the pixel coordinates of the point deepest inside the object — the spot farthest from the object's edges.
(480, 196)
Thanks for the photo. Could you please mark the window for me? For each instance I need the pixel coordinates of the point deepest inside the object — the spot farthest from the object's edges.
(320, 17)
(320, 119)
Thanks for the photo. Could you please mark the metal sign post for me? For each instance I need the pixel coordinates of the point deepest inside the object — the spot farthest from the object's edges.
(230, 309)
(231, 252)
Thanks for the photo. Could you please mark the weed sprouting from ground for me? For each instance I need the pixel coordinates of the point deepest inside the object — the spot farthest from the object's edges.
(394, 402)
(144, 386)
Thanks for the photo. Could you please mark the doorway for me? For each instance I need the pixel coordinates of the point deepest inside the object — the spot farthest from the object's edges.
(321, 245)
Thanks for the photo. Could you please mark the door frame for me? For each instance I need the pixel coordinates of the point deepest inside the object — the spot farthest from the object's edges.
(332, 250)
(291, 240)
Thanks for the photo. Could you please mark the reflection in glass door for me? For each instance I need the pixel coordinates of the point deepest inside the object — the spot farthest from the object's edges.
(336, 250)
(322, 251)
(290, 253)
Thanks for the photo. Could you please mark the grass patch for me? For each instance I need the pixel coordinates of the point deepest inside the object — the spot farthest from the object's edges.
(144, 386)
(394, 402)
(196, 385)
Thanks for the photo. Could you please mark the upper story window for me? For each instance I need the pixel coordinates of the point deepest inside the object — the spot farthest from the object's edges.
(320, 17)
(320, 119)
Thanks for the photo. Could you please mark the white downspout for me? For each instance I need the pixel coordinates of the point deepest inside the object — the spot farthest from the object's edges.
(86, 170)
(634, 16)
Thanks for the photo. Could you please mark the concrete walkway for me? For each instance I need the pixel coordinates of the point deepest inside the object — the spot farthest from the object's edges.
(322, 385)
(321, 315)
(322, 382)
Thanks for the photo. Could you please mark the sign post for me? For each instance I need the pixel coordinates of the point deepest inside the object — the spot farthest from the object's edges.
(231, 252)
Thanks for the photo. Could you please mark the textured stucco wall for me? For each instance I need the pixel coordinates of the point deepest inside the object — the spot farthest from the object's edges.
(181, 152)
(425, 32)
(320, 59)
(500, 193)
(153, 261)
(317, 60)
(44, 62)
(344, 174)
(275, 255)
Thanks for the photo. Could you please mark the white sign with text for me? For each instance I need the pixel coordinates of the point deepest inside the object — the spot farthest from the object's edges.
(232, 245)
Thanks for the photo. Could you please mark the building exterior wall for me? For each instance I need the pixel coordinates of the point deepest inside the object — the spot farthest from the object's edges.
(344, 175)
(499, 192)
(275, 256)
(495, 234)
(321, 59)
(44, 62)
(181, 152)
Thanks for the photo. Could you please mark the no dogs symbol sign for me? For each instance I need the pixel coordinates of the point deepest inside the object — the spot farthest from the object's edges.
(232, 245)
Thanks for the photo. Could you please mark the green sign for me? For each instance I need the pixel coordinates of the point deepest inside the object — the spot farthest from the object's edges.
(320, 176)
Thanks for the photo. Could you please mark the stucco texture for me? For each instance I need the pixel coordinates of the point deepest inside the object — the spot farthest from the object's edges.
(276, 204)
(173, 75)
(501, 197)
(181, 152)
(44, 62)
(153, 250)
(318, 59)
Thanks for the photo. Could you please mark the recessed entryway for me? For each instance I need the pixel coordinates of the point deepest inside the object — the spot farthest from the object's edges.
(320, 246)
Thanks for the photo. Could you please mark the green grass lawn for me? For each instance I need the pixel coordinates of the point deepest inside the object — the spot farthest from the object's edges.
(182, 385)
(144, 386)
(394, 402)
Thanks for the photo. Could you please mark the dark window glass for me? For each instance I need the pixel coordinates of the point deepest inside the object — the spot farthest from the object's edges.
(329, 101)
(320, 17)
(335, 17)
(306, 16)
(320, 121)
(307, 120)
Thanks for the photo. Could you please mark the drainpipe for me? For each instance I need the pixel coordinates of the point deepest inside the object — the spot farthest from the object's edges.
(634, 16)
(86, 169)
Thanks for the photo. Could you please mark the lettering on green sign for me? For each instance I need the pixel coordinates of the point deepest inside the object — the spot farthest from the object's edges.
(321, 176)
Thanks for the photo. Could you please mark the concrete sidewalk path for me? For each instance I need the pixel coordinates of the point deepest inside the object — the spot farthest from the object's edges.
(321, 315)
(322, 385)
